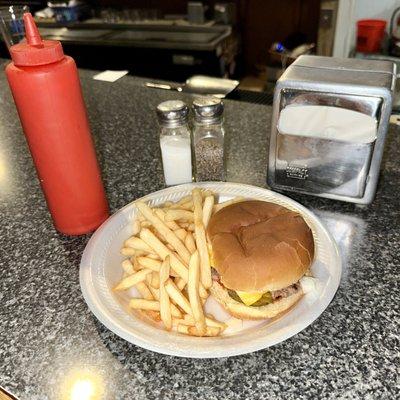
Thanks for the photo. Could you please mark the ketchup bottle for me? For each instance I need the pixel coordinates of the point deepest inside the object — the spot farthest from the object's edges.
(47, 92)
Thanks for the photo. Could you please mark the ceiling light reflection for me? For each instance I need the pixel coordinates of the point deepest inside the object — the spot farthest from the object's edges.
(3, 170)
(82, 389)
(83, 385)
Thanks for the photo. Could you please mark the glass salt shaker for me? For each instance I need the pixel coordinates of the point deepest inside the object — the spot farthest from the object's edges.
(175, 142)
(208, 138)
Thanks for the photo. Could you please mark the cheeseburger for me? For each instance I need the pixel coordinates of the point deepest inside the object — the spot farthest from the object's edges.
(259, 253)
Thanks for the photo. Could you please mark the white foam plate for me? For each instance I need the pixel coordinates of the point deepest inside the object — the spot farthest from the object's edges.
(100, 270)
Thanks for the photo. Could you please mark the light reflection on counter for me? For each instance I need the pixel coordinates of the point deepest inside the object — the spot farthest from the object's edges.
(347, 230)
(4, 178)
(82, 385)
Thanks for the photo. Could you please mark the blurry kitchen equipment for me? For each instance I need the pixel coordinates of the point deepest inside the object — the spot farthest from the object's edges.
(45, 13)
(196, 12)
(394, 33)
(175, 143)
(12, 24)
(370, 33)
(128, 15)
(70, 11)
(334, 146)
(200, 84)
(208, 139)
(225, 13)
(278, 52)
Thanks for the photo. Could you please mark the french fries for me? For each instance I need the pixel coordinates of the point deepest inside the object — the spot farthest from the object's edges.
(155, 292)
(209, 331)
(178, 297)
(137, 244)
(188, 206)
(160, 226)
(207, 192)
(144, 291)
(180, 283)
(141, 304)
(162, 250)
(127, 266)
(184, 203)
(136, 227)
(153, 256)
(181, 233)
(174, 309)
(183, 200)
(189, 320)
(183, 328)
(168, 263)
(190, 243)
(155, 279)
(201, 241)
(153, 305)
(207, 209)
(194, 297)
(171, 224)
(173, 215)
(136, 265)
(127, 251)
(149, 263)
(192, 330)
(165, 307)
(132, 280)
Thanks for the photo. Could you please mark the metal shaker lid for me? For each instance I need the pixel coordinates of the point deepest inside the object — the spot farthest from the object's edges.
(172, 113)
(208, 109)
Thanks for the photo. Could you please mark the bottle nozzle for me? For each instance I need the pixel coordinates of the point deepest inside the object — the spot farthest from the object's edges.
(31, 31)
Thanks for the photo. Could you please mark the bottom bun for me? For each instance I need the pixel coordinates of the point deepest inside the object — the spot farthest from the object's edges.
(240, 310)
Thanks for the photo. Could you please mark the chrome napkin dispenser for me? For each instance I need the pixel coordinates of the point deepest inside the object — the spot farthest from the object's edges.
(329, 123)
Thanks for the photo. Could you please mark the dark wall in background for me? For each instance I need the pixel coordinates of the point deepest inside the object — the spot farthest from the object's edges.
(267, 21)
(166, 6)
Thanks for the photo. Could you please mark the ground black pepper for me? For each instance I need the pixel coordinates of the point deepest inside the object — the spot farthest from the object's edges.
(209, 155)
(208, 137)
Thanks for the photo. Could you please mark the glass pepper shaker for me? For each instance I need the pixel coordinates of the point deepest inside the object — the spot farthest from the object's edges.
(208, 138)
(175, 142)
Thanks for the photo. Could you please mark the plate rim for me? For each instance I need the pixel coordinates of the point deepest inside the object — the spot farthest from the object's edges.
(92, 301)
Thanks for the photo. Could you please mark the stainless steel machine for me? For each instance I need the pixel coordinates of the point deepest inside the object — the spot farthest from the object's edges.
(330, 119)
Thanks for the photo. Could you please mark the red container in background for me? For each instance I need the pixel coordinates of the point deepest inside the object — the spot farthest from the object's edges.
(47, 92)
(370, 33)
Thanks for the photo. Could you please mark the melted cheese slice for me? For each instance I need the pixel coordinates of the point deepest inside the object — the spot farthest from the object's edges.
(249, 298)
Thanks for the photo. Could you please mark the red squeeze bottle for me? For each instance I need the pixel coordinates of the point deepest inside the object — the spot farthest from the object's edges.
(47, 92)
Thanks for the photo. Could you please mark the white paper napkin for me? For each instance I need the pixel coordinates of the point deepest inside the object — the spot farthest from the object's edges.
(328, 123)
(110, 76)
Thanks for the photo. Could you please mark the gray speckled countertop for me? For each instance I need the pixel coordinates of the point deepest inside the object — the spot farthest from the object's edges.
(48, 336)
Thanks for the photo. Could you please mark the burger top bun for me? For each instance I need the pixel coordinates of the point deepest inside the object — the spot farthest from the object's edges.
(259, 246)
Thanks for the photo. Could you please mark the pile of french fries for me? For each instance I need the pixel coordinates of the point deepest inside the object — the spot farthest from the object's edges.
(168, 263)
